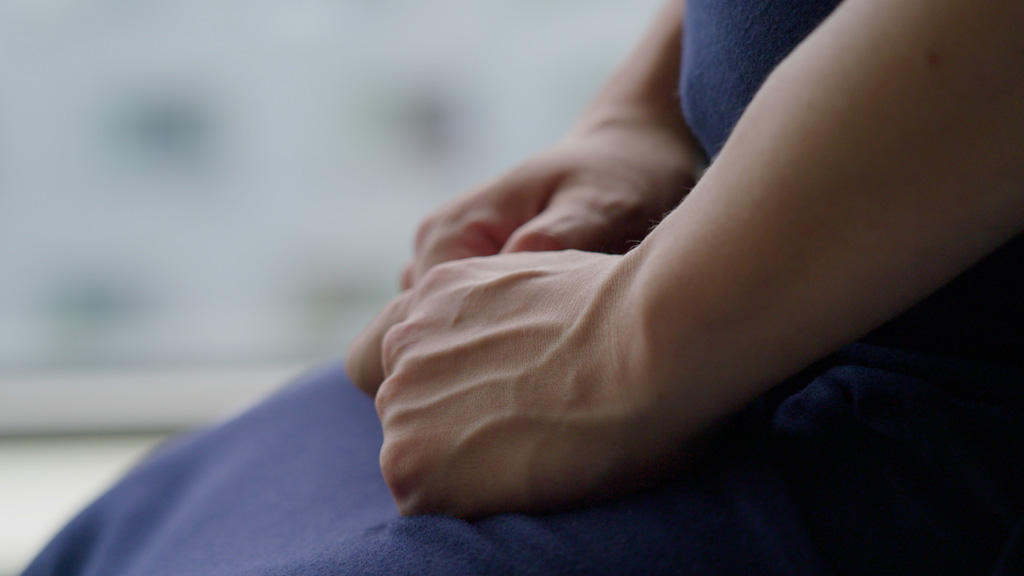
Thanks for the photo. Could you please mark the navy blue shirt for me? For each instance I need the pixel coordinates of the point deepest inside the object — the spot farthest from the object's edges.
(730, 47)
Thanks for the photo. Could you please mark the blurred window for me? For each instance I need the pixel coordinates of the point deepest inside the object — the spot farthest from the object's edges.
(227, 187)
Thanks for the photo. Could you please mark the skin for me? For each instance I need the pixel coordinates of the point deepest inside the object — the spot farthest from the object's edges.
(877, 162)
(627, 162)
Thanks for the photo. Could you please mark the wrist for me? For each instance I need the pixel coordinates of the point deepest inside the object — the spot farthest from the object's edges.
(666, 348)
(658, 427)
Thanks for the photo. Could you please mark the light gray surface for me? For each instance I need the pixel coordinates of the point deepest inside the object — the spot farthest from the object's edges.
(44, 482)
(126, 400)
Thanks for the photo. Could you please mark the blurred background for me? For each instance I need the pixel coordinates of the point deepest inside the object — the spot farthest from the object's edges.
(200, 199)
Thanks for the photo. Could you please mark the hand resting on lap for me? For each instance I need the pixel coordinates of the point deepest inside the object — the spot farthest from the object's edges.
(509, 383)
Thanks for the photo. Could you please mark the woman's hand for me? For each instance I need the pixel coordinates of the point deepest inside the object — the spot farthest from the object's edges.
(601, 189)
(509, 383)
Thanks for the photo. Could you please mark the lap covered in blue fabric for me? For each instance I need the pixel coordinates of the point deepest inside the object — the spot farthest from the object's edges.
(849, 468)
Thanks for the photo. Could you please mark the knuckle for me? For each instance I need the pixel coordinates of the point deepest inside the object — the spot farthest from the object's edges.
(440, 275)
(394, 343)
(474, 233)
(628, 208)
(614, 203)
(403, 469)
(386, 397)
(538, 240)
(459, 236)
(475, 227)
(425, 227)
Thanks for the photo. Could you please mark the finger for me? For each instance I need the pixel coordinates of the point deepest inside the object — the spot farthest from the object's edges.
(480, 233)
(364, 361)
(481, 223)
(571, 221)
(408, 274)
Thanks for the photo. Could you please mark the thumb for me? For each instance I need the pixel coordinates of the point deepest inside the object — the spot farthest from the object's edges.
(568, 222)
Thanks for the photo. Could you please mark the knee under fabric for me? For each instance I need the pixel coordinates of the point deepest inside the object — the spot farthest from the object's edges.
(850, 466)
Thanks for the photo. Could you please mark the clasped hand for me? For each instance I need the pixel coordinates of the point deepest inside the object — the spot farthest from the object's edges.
(513, 382)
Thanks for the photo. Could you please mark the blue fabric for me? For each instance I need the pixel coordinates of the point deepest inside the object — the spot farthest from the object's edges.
(861, 464)
(900, 454)
(730, 47)
(293, 487)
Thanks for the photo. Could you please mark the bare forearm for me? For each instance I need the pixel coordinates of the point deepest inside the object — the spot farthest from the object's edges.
(885, 156)
(647, 82)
